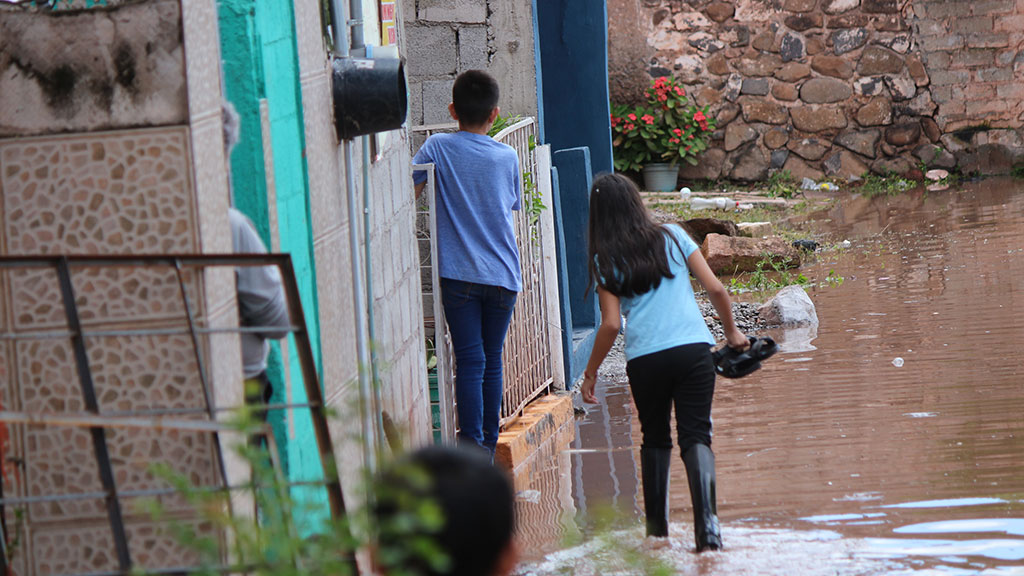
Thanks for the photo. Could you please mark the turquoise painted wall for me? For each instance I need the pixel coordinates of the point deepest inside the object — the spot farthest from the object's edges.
(261, 61)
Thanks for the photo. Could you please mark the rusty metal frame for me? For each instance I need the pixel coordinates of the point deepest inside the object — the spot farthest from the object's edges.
(98, 423)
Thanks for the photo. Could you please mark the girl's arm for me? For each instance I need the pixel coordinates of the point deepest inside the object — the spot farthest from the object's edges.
(606, 334)
(719, 297)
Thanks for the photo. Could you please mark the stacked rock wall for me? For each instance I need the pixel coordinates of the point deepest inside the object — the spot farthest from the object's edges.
(835, 88)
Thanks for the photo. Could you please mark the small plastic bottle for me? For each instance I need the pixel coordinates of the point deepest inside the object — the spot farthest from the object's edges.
(703, 203)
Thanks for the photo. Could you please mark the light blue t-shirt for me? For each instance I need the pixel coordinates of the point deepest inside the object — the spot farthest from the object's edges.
(477, 182)
(667, 316)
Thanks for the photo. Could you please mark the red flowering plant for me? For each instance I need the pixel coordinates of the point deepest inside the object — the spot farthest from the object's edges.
(668, 129)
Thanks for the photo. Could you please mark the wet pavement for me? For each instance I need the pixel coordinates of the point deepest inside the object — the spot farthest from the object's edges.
(888, 441)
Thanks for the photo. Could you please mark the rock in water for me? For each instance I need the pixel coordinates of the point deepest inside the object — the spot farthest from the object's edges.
(790, 307)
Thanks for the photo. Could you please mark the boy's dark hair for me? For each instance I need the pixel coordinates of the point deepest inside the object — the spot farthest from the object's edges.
(475, 95)
(472, 504)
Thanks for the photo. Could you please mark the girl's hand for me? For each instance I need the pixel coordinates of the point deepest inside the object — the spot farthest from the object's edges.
(736, 340)
(587, 388)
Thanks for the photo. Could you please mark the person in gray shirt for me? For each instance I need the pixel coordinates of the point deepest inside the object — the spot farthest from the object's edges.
(261, 299)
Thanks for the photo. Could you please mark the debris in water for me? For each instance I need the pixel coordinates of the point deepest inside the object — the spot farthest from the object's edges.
(897, 362)
(531, 496)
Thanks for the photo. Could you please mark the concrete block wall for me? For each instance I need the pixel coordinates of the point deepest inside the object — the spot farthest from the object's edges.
(396, 299)
(835, 88)
(447, 37)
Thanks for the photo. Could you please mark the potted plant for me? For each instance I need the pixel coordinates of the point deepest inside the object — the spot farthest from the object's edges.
(654, 138)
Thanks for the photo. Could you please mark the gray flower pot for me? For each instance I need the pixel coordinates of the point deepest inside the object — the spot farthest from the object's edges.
(661, 177)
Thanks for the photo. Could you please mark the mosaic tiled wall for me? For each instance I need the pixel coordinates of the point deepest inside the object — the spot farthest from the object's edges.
(130, 191)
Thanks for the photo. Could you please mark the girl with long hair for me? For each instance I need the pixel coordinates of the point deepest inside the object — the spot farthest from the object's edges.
(642, 270)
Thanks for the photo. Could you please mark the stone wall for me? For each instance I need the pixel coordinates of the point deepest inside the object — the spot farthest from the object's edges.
(835, 88)
(448, 37)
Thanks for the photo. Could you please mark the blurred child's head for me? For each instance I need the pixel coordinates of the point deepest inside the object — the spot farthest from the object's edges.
(455, 499)
(474, 99)
(615, 206)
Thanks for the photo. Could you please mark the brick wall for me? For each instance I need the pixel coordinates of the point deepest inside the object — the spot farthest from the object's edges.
(835, 87)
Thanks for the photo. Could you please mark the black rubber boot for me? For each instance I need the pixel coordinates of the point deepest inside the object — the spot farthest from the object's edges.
(700, 471)
(654, 467)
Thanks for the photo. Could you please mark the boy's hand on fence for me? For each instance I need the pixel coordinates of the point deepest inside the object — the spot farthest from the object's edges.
(587, 388)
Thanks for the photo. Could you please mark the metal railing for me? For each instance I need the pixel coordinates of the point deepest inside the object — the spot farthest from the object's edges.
(532, 354)
(110, 424)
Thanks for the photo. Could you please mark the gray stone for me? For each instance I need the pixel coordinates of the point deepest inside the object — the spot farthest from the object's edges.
(755, 87)
(699, 228)
(863, 142)
(432, 50)
(792, 48)
(876, 112)
(727, 113)
(472, 48)
(793, 71)
(809, 148)
(764, 111)
(778, 158)
(934, 156)
(763, 65)
(705, 42)
(799, 169)
(804, 22)
(437, 94)
(785, 92)
(840, 6)
(749, 165)
(720, 11)
(776, 138)
(954, 144)
(833, 66)
(709, 167)
(452, 11)
(730, 254)
(790, 307)
(885, 166)
(733, 87)
(901, 87)
(848, 167)
(825, 91)
(848, 40)
(737, 134)
(922, 105)
(880, 6)
(903, 134)
(741, 36)
(869, 86)
(689, 68)
(877, 60)
(815, 119)
(931, 129)
(832, 164)
(899, 43)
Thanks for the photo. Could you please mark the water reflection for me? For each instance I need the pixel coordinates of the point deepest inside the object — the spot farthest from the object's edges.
(913, 468)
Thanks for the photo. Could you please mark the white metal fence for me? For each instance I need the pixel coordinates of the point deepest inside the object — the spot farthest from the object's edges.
(533, 353)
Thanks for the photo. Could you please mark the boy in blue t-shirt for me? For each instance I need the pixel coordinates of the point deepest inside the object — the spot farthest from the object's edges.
(477, 182)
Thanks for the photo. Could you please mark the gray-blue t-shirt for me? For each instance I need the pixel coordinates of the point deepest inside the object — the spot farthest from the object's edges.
(667, 316)
(477, 182)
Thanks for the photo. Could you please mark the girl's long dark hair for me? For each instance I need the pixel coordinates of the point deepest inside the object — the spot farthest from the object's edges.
(626, 252)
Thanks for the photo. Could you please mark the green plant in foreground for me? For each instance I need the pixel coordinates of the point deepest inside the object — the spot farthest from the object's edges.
(272, 545)
(770, 274)
(781, 184)
(889, 185)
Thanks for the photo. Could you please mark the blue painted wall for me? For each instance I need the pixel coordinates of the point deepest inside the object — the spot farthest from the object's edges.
(579, 304)
(573, 61)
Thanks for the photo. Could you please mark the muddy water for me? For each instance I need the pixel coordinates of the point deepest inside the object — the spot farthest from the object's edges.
(889, 440)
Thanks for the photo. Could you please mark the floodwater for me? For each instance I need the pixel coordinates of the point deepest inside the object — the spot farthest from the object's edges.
(890, 440)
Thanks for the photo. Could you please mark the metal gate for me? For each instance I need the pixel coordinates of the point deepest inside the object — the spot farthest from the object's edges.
(85, 418)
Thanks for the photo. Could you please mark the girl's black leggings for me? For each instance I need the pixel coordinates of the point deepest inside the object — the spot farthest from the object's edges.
(683, 376)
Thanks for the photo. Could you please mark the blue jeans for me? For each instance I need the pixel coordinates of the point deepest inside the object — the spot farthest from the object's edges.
(478, 317)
